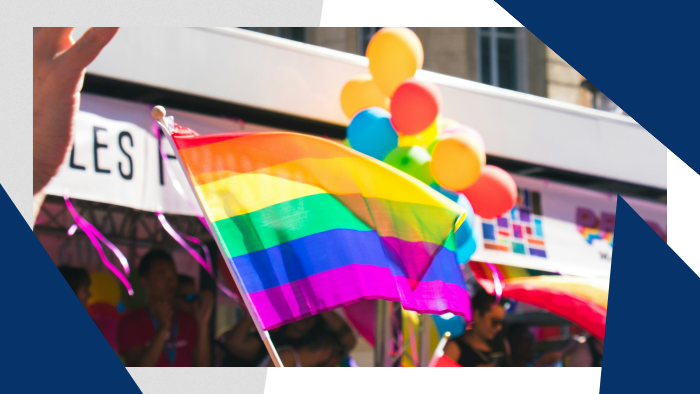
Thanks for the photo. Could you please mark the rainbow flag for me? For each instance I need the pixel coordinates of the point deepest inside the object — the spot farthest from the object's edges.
(309, 225)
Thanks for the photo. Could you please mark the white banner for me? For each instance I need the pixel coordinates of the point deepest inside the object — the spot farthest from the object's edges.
(559, 228)
(115, 157)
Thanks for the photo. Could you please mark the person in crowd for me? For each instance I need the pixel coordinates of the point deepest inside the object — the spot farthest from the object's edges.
(79, 281)
(245, 348)
(522, 349)
(475, 347)
(322, 350)
(302, 331)
(587, 354)
(186, 295)
(242, 344)
(158, 334)
(59, 70)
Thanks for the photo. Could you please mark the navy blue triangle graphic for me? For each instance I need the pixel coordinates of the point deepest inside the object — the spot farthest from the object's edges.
(643, 56)
(650, 343)
(50, 343)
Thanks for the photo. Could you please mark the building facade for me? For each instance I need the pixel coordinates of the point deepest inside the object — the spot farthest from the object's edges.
(508, 57)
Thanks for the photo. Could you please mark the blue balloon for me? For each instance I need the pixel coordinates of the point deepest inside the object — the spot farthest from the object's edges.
(371, 132)
(454, 196)
(450, 322)
(465, 236)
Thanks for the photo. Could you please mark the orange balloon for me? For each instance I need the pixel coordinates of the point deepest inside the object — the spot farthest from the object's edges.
(395, 53)
(457, 160)
(360, 93)
(493, 194)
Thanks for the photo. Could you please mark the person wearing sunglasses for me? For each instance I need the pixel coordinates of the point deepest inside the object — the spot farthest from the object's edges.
(475, 348)
(186, 295)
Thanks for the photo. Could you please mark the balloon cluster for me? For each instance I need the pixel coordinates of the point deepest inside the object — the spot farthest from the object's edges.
(397, 118)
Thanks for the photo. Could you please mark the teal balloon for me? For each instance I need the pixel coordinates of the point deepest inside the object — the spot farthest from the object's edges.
(370, 131)
(466, 239)
(414, 161)
(454, 196)
(450, 322)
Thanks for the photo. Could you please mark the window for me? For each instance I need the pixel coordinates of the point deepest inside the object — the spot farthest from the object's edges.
(364, 34)
(290, 33)
(598, 100)
(502, 59)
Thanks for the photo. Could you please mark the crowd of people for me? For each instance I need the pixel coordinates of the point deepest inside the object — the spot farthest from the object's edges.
(488, 344)
(172, 329)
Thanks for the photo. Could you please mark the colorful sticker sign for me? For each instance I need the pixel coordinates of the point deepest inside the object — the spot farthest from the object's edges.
(520, 230)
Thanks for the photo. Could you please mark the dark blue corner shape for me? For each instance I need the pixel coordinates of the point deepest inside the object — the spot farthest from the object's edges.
(643, 55)
(50, 343)
(650, 335)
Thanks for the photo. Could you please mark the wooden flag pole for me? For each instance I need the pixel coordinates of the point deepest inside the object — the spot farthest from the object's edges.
(158, 114)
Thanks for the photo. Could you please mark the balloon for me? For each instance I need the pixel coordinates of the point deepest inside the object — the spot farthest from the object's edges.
(451, 323)
(493, 194)
(463, 129)
(447, 123)
(414, 106)
(371, 133)
(104, 288)
(414, 161)
(465, 237)
(346, 142)
(458, 158)
(454, 196)
(422, 139)
(395, 53)
(361, 92)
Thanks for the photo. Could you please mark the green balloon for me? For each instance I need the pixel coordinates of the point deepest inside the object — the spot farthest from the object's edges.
(346, 142)
(414, 161)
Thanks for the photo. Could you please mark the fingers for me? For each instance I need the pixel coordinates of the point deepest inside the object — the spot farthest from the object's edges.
(86, 49)
(48, 41)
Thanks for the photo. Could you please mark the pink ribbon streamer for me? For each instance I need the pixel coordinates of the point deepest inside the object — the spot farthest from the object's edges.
(95, 237)
(205, 262)
(173, 179)
(497, 282)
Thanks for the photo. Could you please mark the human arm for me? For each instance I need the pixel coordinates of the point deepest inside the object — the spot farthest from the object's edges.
(287, 358)
(452, 351)
(241, 342)
(341, 329)
(149, 356)
(202, 314)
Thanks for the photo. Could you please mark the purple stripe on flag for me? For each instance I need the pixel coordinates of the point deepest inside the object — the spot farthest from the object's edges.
(345, 285)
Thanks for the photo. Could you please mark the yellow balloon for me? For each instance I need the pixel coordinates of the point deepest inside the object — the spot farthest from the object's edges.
(424, 138)
(104, 288)
(395, 53)
(448, 123)
(361, 92)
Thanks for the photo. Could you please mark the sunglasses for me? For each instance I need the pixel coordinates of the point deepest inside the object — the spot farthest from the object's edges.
(189, 298)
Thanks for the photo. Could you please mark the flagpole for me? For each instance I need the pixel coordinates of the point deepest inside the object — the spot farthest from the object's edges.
(158, 113)
(425, 340)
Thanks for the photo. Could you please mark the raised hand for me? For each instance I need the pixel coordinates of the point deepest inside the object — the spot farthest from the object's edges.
(59, 70)
(203, 310)
(163, 312)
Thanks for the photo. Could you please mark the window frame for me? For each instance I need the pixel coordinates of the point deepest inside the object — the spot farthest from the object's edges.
(521, 63)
